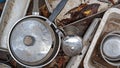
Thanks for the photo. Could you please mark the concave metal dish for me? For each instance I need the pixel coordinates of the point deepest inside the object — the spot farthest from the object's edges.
(93, 57)
(34, 40)
(110, 47)
(72, 45)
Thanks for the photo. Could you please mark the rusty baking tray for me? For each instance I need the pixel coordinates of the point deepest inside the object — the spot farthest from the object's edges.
(110, 22)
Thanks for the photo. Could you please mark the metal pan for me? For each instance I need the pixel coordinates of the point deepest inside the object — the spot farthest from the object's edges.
(34, 40)
(93, 57)
(110, 48)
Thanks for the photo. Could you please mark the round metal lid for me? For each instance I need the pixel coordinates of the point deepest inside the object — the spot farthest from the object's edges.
(31, 40)
(111, 46)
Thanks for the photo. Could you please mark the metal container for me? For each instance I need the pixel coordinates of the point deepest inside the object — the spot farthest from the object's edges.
(28, 46)
(109, 23)
(110, 48)
(72, 45)
(34, 41)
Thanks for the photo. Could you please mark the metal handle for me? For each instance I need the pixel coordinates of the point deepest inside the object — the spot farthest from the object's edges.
(57, 10)
(35, 10)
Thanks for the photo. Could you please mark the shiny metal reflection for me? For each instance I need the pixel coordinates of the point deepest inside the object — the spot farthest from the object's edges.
(31, 40)
(111, 47)
(72, 45)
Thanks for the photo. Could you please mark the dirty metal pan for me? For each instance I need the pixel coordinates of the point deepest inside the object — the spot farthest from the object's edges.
(111, 47)
(34, 40)
(27, 40)
(109, 23)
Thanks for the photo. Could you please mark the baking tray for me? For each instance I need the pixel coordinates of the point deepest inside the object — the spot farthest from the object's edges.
(110, 22)
(13, 10)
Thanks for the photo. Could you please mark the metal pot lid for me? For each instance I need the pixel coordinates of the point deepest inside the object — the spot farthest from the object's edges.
(111, 46)
(31, 40)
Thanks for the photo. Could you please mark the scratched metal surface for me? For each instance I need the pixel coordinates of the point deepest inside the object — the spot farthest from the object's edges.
(113, 24)
(82, 25)
(96, 60)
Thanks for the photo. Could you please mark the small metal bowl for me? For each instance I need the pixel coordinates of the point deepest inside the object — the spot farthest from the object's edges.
(72, 45)
(110, 48)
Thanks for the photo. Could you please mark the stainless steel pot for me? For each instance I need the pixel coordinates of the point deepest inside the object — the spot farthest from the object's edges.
(110, 48)
(34, 40)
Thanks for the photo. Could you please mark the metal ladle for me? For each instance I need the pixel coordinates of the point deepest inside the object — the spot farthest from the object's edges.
(110, 48)
(73, 44)
(76, 60)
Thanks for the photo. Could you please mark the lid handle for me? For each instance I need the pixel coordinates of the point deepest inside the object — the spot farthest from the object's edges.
(57, 10)
(35, 10)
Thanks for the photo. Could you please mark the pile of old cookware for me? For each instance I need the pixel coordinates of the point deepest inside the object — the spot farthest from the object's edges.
(34, 40)
(110, 48)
